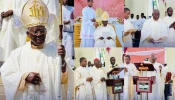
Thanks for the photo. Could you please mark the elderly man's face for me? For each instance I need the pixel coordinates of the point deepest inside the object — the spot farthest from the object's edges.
(156, 15)
(37, 34)
(152, 59)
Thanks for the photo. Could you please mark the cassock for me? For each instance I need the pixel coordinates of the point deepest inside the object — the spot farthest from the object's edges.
(158, 87)
(99, 87)
(87, 27)
(68, 30)
(13, 33)
(128, 38)
(129, 88)
(153, 29)
(27, 59)
(171, 31)
(83, 88)
(105, 32)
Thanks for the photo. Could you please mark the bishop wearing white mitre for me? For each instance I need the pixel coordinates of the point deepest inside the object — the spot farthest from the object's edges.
(35, 70)
(105, 35)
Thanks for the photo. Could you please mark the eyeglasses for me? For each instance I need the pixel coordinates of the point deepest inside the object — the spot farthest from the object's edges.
(37, 31)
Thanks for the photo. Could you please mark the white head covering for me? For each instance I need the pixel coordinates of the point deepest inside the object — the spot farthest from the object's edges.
(105, 16)
(34, 13)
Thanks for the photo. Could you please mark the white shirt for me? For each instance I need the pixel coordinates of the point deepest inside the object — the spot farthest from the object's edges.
(142, 21)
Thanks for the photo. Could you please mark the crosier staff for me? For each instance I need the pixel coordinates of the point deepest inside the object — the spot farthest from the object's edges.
(59, 59)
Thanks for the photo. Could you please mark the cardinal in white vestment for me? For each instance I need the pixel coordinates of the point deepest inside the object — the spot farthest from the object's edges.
(34, 71)
(83, 82)
(88, 25)
(170, 22)
(98, 82)
(154, 32)
(105, 35)
(130, 71)
(127, 37)
(13, 32)
(68, 22)
(158, 87)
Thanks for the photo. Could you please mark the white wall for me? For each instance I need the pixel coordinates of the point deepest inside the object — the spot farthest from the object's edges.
(88, 53)
(137, 6)
(170, 54)
(143, 6)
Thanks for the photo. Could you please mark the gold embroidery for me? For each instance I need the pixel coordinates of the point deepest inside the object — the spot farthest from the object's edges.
(23, 84)
(37, 47)
(36, 11)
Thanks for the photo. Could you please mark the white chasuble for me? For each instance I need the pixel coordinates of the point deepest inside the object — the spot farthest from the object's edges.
(128, 83)
(24, 60)
(105, 32)
(100, 90)
(153, 29)
(83, 88)
(128, 38)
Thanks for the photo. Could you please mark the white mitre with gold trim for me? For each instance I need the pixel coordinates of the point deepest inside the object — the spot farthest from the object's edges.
(34, 13)
(105, 16)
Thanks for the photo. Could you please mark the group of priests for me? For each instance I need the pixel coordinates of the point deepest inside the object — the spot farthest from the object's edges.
(90, 82)
(92, 33)
(155, 32)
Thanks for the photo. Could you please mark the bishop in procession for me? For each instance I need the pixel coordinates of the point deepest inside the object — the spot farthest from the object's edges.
(35, 70)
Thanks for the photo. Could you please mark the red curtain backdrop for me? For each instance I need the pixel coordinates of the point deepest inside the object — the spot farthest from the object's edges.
(115, 8)
(134, 59)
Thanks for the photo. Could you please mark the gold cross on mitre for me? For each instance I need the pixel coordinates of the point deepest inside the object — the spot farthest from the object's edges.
(34, 13)
(36, 10)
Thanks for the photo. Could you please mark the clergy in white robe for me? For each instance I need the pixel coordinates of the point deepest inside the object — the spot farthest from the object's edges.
(158, 87)
(98, 82)
(130, 71)
(88, 25)
(169, 20)
(127, 37)
(105, 35)
(83, 80)
(13, 32)
(68, 22)
(34, 70)
(154, 32)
